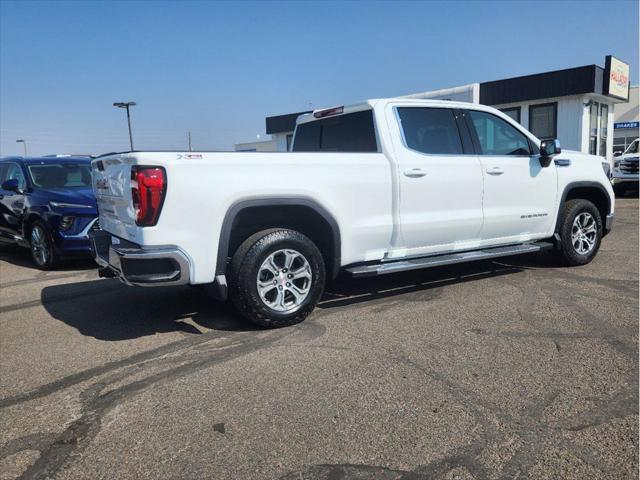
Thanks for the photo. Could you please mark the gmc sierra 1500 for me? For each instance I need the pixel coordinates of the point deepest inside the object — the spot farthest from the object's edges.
(375, 188)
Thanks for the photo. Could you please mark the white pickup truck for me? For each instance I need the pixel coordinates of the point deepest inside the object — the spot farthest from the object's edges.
(375, 188)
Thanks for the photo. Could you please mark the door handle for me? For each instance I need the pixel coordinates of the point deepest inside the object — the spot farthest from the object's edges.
(415, 173)
(495, 171)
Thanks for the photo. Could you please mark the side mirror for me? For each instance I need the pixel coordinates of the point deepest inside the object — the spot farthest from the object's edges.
(548, 150)
(617, 154)
(12, 185)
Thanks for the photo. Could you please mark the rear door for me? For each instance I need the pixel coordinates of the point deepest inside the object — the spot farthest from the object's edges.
(519, 194)
(112, 186)
(440, 181)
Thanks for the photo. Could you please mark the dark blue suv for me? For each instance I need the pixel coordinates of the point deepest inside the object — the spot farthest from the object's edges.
(47, 205)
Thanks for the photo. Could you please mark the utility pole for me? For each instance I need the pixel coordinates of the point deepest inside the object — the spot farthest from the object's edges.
(24, 145)
(190, 141)
(126, 105)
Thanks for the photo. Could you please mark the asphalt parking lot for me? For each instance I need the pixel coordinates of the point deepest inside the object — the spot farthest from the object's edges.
(496, 370)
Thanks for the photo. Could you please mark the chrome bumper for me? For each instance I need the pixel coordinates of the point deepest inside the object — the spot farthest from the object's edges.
(136, 265)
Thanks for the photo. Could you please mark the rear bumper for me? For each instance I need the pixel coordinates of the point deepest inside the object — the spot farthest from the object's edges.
(139, 266)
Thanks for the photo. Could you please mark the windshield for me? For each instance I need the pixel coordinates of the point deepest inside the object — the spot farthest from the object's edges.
(633, 148)
(61, 175)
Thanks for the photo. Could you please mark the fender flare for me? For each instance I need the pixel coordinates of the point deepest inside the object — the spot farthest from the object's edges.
(581, 184)
(237, 207)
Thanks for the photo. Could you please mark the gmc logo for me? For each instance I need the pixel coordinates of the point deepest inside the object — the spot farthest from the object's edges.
(102, 184)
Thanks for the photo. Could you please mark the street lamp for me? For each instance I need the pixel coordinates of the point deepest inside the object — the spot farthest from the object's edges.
(24, 144)
(127, 105)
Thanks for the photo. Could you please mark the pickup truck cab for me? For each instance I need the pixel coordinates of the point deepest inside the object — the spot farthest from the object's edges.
(370, 189)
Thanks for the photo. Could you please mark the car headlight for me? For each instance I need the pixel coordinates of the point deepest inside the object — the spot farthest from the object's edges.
(66, 222)
(68, 205)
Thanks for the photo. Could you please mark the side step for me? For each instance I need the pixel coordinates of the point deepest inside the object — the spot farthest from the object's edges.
(447, 259)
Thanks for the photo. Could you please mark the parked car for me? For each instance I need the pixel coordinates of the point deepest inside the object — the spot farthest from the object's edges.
(371, 189)
(48, 206)
(624, 175)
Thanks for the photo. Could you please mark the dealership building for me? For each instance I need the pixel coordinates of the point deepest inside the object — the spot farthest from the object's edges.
(575, 105)
(625, 121)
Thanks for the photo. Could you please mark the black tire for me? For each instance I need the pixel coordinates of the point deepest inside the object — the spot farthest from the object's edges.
(246, 266)
(570, 212)
(50, 259)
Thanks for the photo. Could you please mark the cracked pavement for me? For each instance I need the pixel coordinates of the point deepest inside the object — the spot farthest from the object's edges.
(515, 368)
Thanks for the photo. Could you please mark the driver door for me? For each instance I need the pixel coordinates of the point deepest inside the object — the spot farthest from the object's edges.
(519, 194)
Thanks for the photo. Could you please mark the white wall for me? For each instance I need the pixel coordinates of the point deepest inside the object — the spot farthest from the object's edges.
(569, 118)
(573, 120)
(466, 93)
(263, 146)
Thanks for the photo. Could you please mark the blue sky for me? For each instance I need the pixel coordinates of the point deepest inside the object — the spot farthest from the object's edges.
(218, 68)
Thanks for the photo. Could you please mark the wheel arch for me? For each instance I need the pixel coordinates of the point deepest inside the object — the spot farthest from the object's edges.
(592, 191)
(28, 222)
(317, 223)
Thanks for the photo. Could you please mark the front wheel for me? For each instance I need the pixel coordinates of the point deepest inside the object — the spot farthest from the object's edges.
(42, 249)
(580, 232)
(276, 278)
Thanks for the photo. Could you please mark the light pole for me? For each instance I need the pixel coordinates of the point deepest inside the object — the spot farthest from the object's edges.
(24, 144)
(127, 105)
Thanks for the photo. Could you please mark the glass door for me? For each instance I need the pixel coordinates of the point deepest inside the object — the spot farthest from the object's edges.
(604, 118)
(593, 128)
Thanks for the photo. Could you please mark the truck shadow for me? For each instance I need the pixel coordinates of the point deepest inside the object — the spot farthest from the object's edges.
(108, 310)
(346, 291)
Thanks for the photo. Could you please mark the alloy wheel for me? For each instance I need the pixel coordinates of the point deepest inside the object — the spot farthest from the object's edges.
(284, 280)
(39, 247)
(584, 233)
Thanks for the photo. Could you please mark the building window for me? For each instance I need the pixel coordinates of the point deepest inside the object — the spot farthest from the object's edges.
(604, 118)
(513, 112)
(543, 120)
(593, 128)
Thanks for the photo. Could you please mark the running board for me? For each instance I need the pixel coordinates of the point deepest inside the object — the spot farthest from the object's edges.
(448, 259)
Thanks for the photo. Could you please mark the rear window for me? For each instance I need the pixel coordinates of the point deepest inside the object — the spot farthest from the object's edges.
(352, 132)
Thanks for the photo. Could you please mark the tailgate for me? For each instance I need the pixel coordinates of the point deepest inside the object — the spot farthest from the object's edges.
(112, 187)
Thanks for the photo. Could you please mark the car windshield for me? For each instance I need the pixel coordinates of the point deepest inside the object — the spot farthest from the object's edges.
(633, 148)
(61, 175)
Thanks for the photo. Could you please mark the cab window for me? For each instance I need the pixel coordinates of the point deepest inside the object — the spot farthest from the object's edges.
(498, 137)
(430, 130)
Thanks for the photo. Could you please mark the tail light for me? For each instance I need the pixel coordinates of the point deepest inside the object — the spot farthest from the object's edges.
(148, 188)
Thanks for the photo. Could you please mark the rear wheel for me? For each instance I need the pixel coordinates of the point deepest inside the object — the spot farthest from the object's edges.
(580, 232)
(276, 278)
(42, 249)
